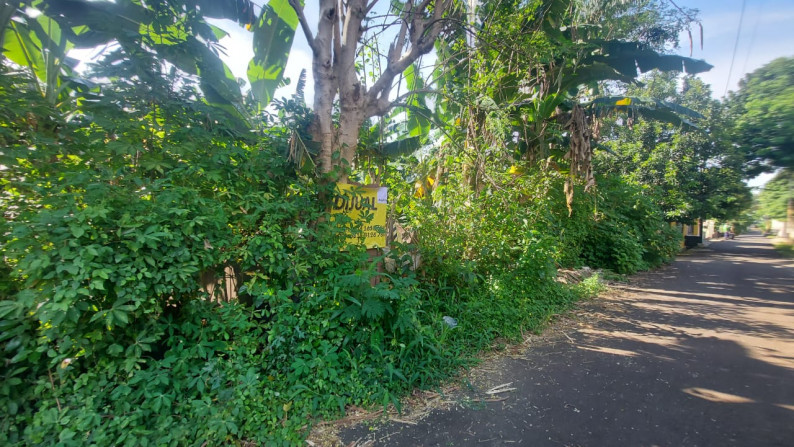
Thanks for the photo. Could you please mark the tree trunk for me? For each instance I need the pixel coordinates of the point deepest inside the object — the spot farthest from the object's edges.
(323, 130)
(334, 46)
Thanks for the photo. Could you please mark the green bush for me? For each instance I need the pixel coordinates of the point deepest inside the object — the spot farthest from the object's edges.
(117, 220)
(613, 245)
(121, 212)
(629, 232)
(489, 260)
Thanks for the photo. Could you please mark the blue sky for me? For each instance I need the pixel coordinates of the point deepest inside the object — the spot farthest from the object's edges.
(767, 33)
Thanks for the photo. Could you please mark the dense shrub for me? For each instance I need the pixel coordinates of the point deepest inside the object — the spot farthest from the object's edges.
(117, 219)
(522, 230)
(489, 260)
(120, 213)
(629, 232)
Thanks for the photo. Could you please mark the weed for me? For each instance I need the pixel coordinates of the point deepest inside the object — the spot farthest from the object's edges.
(785, 249)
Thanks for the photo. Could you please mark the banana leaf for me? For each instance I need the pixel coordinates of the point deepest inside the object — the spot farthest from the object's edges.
(397, 148)
(658, 110)
(416, 110)
(273, 36)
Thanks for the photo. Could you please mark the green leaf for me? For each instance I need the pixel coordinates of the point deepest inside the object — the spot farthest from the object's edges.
(273, 36)
(77, 231)
(215, 72)
(66, 435)
(115, 349)
(416, 108)
(397, 148)
(20, 48)
(241, 11)
(679, 109)
(73, 269)
(666, 116)
(663, 111)
(7, 307)
(373, 308)
(626, 57)
(614, 60)
(163, 35)
(51, 37)
(119, 316)
(595, 72)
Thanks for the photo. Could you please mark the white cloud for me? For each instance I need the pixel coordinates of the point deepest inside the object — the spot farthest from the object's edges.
(238, 46)
(761, 180)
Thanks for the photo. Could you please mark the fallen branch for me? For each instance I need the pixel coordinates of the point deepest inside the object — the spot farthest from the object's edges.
(503, 388)
(403, 421)
(493, 399)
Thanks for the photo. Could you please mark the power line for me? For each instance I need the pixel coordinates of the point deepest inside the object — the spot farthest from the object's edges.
(752, 37)
(735, 47)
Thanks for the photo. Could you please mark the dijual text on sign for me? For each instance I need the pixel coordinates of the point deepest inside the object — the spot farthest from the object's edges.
(359, 201)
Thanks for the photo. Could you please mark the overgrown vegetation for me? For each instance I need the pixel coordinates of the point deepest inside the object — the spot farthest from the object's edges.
(170, 274)
(116, 217)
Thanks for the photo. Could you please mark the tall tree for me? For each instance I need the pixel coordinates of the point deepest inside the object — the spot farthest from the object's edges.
(697, 170)
(341, 33)
(764, 114)
(775, 195)
(524, 77)
(176, 32)
(158, 36)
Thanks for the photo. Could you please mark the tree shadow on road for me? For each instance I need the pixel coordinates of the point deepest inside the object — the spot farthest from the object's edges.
(717, 380)
(698, 354)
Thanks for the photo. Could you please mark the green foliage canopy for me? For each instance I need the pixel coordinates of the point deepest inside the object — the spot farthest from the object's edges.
(764, 114)
(697, 171)
(126, 200)
(775, 195)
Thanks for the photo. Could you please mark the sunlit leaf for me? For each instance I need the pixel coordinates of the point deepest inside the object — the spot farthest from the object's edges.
(273, 36)
(20, 48)
(418, 124)
(404, 146)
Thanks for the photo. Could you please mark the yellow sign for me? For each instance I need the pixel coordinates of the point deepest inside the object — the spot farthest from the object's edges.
(623, 102)
(358, 203)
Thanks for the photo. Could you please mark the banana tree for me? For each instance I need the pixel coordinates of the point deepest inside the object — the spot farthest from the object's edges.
(542, 65)
(38, 34)
(593, 63)
(178, 33)
(634, 108)
(605, 61)
(39, 44)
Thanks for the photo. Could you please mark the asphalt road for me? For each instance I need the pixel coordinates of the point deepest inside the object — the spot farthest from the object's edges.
(700, 353)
